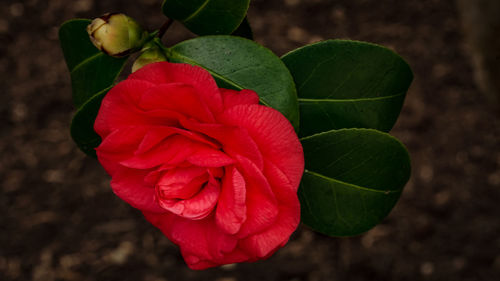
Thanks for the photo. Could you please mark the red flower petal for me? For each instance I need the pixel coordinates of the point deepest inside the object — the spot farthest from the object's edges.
(119, 107)
(182, 98)
(208, 157)
(231, 209)
(262, 207)
(274, 136)
(129, 185)
(234, 141)
(202, 244)
(120, 143)
(274, 237)
(174, 150)
(200, 79)
(269, 240)
(197, 207)
(232, 97)
(156, 134)
(181, 183)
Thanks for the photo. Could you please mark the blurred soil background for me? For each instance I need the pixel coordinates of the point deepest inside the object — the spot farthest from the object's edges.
(59, 219)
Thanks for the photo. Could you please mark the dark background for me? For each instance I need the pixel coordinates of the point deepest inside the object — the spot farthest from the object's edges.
(59, 219)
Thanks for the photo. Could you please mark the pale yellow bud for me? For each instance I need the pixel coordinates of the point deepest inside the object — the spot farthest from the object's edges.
(116, 34)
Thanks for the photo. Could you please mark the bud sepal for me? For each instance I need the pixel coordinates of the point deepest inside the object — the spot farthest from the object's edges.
(151, 52)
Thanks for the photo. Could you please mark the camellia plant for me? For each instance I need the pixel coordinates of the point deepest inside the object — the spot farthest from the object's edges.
(226, 147)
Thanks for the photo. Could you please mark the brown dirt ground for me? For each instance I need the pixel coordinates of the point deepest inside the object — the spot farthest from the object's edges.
(59, 219)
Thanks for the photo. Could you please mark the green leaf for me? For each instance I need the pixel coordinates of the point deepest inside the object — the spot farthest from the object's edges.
(244, 30)
(205, 17)
(239, 63)
(91, 70)
(348, 84)
(75, 43)
(82, 125)
(352, 179)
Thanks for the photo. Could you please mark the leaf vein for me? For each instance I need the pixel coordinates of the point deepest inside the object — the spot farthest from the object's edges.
(352, 100)
(80, 64)
(353, 185)
(345, 80)
(337, 209)
(195, 13)
(313, 71)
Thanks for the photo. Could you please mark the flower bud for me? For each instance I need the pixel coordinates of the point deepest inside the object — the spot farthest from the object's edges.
(151, 53)
(116, 34)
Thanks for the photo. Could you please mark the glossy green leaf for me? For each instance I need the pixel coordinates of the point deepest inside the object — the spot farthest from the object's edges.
(244, 30)
(82, 125)
(205, 17)
(239, 63)
(352, 179)
(348, 84)
(75, 42)
(91, 70)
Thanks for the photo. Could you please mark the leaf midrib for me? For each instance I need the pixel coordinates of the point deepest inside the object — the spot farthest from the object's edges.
(195, 13)
(80, 64)
(352, 185)
(351, 100)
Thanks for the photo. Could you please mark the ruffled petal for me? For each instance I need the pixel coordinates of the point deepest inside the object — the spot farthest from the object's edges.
(119, 107)
(174, 150)
(196, 207)
(181, 97)
(202, 243)
(156, 134)
(262, 206)
(121, 143)
(199, 78)
(181, 183)
(234, 141)
(129, 185)
(273, 134)
(231, 209)
(268, 241)
(208, 157)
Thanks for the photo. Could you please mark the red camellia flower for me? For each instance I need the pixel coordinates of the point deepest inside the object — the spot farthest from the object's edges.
(214, 170)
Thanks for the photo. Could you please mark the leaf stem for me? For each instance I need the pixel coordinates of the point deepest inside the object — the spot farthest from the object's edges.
(165, 27)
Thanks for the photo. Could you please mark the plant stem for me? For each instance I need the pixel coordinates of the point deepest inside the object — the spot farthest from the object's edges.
(165, 27)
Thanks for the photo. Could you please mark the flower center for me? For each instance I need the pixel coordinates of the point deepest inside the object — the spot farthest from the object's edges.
(190, 192)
